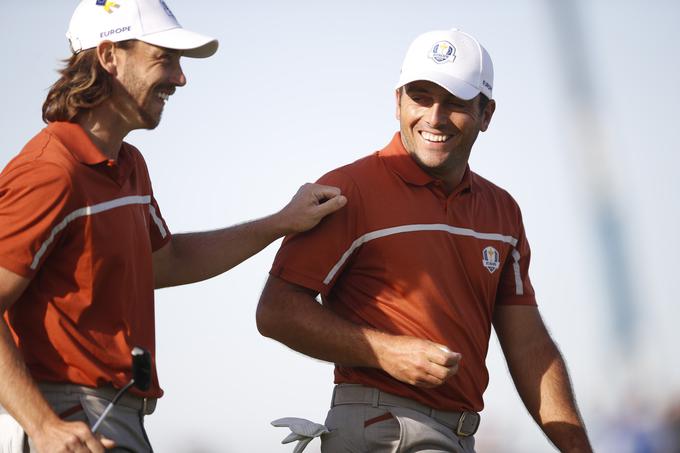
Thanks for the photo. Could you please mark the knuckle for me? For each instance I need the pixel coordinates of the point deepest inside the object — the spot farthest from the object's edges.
(72, 441)
(82, 430)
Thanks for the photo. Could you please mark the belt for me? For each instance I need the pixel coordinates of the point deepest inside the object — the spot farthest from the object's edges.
(464, 423)
(146, 406)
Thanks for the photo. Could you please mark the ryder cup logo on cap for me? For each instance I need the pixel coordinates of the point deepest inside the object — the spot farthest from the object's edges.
(150, 21)
(452, 59)
(442, 52)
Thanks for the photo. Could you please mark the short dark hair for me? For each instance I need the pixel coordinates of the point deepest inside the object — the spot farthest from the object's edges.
(83, 85)
(483, 101)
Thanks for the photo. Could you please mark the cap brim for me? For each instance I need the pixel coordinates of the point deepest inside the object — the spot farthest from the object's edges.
(192, 44)
(453, 85)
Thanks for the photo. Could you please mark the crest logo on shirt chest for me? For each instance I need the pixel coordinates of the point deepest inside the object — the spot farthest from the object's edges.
(491, 259)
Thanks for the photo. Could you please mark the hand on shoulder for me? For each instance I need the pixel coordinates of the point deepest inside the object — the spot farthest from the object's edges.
(309, 205)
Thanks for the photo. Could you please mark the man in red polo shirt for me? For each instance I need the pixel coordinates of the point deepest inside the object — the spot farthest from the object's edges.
(413, 273)
(83, 243)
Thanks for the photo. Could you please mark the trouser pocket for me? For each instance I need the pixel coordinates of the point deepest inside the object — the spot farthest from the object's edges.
(360, 428)
(382, 430)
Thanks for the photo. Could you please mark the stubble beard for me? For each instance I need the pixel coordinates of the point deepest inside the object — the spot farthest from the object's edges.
(437, 171)
(149, 121)
(143, 106)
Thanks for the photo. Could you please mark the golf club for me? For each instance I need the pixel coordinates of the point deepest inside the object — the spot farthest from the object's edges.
(141, 379)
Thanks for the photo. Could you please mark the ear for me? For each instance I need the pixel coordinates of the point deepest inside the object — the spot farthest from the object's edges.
(487, 114)
(398, 98)
(107, 56)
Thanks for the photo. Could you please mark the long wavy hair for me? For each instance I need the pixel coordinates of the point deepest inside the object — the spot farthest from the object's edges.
(83, 85)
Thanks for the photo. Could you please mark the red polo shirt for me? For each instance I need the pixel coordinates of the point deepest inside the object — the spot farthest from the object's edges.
(83, 229)
(405, 258)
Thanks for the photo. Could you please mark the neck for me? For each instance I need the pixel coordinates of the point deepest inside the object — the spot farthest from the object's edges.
(449, 175)
(104, 129)
(452, 178)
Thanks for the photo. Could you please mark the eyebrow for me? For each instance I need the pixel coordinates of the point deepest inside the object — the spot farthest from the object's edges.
(416, 91)
(410, 88)
(163, 52)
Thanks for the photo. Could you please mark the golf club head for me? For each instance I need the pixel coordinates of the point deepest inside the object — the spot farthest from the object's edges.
(141, 368)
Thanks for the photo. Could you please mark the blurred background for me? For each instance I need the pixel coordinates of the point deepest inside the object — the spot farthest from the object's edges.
(584, 137)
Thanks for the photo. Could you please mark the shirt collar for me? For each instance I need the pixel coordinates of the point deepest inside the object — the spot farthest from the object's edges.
(78, 143)
(400, 161)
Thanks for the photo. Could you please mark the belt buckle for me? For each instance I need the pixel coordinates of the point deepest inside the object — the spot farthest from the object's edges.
(461, 421)
(145, 402)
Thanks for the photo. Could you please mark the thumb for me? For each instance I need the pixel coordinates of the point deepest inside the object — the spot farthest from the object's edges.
(106, 442)
(332, 205)
(446, 357)
(322, 191)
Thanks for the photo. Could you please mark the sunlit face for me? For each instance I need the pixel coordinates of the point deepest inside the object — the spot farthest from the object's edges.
(437, 128)
(148, 76)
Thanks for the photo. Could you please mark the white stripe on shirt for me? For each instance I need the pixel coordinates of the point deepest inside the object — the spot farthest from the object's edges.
(96, 209)
(430, 227)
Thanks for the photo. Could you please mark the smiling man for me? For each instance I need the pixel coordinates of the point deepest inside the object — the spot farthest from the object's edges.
(83, 243)
(413, 273)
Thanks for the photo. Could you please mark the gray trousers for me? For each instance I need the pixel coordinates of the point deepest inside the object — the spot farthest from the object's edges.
(124, 424)
(363, 419)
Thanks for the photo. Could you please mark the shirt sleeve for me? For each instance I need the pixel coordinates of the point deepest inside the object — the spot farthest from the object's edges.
(314, 259)
(159, 234)
(515, 286)
(36, 203)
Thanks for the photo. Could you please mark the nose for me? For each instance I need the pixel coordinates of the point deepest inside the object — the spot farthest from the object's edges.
(178, 77)
(436, 115)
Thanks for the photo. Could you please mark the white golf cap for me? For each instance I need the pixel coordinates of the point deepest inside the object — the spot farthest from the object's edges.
(150, 21)
(452, 59)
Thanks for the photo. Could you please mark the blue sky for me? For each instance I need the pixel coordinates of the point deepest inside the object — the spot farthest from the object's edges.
(298, 88)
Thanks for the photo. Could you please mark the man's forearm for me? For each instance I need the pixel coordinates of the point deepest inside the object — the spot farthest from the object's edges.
(297, 320)
(19, 394)
(290, 314)
(540, 376)
(542, 381)
(193, 257)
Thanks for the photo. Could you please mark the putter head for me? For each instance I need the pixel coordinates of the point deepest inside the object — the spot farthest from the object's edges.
(141, 368)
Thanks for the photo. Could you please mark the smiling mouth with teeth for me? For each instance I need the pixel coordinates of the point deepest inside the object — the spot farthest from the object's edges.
(434, 137)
